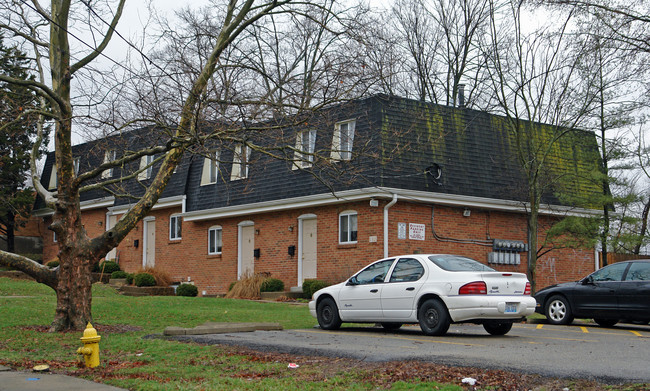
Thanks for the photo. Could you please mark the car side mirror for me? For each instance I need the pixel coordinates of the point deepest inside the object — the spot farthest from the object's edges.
(589, 280)
(353, 281)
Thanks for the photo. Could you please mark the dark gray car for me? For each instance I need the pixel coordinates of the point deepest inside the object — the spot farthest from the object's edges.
(617, 292)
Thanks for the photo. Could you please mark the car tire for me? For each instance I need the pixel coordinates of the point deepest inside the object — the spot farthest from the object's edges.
(606, 322)
(494, 328)
(433, 317)
(390, 326)
(327, 314)
(558, 310)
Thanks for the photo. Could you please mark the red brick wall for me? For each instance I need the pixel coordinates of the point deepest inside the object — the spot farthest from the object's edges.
(456, 234)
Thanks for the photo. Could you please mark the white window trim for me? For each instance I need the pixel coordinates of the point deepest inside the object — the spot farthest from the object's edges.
(210, 167)
(348, 213)
(144, 162)
(339, 151)
(211, 229)
(239, 168)
(109, 156)
(54, 178)
(304, 158)
(172, 232)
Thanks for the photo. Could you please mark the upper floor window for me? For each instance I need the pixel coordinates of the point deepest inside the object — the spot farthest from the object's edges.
(54, 178)
(210, 169)
(215, 242)
(75, 165)
(348, 227)
(146, 161)
(305, 144)
(175, 227)
(109, 156)
(240, 162)
(342, 140)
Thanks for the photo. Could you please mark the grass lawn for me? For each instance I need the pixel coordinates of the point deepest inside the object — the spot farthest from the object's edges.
(129, 361)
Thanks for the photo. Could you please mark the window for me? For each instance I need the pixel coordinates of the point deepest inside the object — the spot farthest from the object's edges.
(53, 236)
(375, 273)
(54, 179)
(75, 166)
(214, 240)
(639, 271)
(342, 140)
(175, 228)
(406, 270)
(240, 162)
(348, 227)
(612, 272)
(146, 161)
(305, 144)
(109, 156)
(210, 169)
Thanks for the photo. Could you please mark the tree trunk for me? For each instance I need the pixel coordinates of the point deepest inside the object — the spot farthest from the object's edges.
(73, 293)
(11, 235)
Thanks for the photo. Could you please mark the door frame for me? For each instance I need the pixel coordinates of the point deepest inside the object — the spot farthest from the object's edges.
(145, 232)
(301, 218)
(240, 245)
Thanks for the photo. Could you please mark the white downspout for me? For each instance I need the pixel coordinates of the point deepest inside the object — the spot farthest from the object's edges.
(391, 203)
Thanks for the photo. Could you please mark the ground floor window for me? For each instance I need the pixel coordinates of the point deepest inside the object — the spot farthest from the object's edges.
(214, 240)
(348, 227)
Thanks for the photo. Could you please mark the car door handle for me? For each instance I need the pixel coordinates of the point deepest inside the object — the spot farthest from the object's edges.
(374, 290)
(410, 288)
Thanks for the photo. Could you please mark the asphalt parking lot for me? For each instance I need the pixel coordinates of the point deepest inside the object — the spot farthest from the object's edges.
(582, 350)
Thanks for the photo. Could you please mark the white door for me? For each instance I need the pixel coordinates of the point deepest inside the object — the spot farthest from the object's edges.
(308, 250)
(246, 250)
(360, 299)
(112, 220)
(149, 243)
(398, 295)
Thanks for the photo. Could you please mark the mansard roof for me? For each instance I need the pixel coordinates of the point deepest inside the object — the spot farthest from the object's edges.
(398, 144)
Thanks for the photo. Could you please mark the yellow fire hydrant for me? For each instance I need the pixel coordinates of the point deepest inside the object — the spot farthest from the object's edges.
(90, 351)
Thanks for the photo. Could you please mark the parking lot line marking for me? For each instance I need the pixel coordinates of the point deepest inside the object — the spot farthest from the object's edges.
(584, 329)
(539, 326)
(638, 334)
(394, 337)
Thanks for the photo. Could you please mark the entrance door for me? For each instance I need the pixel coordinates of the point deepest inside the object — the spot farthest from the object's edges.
(308, 250)
(112, 220)
(149, 243)
(246, 249)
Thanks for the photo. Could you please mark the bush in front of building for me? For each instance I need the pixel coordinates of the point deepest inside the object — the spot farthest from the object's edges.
(106, 267)
(119, 274)
(272, 285)
(311, 286)
(187, 290)
(144, 279)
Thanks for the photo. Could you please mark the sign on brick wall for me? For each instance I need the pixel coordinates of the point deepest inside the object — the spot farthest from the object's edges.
(416, 231)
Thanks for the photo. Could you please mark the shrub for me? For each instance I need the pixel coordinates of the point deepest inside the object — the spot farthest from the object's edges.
(144, 279)
(309, 287)
(106, 267)
(119, 274)
(187, 290)
(246, 288)
(272, 285)
(161, 276)
(232, 284)
(53, 264)
(129, 278)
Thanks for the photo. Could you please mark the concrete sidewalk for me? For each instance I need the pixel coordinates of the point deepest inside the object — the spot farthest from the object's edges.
(33, 381)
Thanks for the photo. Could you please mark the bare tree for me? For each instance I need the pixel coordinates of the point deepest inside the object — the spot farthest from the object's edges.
(52, 32)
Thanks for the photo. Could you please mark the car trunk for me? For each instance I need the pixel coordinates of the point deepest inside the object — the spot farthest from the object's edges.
(500, 283)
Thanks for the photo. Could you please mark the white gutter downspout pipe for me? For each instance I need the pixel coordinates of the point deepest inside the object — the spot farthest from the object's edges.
(391, 203)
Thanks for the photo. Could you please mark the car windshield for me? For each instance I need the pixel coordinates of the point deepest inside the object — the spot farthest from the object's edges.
(455, 263)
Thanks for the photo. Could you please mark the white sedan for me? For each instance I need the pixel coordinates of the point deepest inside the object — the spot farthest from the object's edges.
(433, 290)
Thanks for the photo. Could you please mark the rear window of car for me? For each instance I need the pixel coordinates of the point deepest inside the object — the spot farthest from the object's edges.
(456, 263)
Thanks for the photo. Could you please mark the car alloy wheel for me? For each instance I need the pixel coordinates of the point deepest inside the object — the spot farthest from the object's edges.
(558, 311)
(433, 317)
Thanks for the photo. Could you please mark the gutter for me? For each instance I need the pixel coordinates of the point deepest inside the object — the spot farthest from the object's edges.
(388, 206)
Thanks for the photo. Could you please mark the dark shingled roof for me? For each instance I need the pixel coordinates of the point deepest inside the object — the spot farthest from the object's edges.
(398, 143)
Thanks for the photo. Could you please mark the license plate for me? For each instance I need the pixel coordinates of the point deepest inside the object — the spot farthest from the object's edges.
(511, 308)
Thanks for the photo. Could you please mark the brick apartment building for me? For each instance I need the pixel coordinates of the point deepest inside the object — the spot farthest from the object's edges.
(362, 180)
